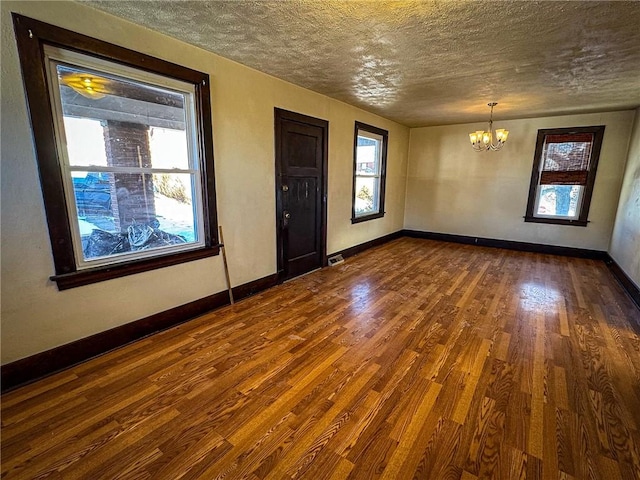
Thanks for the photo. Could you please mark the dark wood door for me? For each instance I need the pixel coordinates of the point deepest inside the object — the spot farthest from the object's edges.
(301, 172)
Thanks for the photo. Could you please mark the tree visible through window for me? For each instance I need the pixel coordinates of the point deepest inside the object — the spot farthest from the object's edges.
(129, 184)
(563, 175)
(370, 153)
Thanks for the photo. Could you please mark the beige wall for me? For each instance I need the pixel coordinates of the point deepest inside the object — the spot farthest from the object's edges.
(448, 188)
(37, 317)
(625, 243)
(452, 189)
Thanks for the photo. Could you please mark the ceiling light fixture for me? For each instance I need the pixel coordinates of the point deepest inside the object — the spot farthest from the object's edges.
(86, 85)
(482, 141)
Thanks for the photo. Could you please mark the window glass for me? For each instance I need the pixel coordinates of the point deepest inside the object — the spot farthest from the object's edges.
(124, 148)
(369, 163)
(366, 195)
(559, 200)
(368, 156)
(563, 175)
(130, 174)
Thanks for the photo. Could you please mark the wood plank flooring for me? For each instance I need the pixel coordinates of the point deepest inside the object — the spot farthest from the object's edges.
(416, 359)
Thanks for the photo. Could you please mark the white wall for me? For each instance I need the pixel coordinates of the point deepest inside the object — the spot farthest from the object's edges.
(452, 189)
(625, 242)
(37, 317)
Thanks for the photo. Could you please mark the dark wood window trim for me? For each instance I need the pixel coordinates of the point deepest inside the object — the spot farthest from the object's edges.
(582, 220)
(32, 36)
(383, 171)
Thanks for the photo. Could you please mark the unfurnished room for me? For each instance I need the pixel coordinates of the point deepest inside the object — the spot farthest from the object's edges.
(320, 239)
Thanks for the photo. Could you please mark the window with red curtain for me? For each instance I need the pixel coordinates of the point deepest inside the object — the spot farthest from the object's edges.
(563, 175)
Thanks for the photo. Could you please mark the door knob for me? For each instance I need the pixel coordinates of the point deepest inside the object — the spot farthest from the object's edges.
(287, 215)
(285, 188)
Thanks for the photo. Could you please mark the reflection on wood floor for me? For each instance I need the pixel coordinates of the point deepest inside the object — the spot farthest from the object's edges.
(416, 359)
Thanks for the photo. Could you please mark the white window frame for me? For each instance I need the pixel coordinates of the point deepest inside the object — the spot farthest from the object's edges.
(57, 56)
(382, 136)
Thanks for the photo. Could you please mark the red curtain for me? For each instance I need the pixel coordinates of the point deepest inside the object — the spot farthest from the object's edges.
(565, 159)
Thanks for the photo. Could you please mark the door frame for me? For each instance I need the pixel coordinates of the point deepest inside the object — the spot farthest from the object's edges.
(279, 115)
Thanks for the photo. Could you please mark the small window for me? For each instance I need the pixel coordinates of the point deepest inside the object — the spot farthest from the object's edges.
(369, 163)
(564, 172)
(128, 184)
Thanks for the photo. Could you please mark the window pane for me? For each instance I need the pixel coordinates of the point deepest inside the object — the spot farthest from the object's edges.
(175, 204)
(123, 126)
(559, 200)
(567, 152)
(168, 148)
(367, 195)
(368, 156)
(85, 142)
(120, 213)
(111, 121)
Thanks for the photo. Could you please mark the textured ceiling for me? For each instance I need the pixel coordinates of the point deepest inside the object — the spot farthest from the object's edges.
(423, 62)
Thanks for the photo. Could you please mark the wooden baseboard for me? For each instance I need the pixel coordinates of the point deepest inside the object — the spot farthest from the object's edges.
(255, 286)
(351, 251)
(36, 366)
(510, 245)
(627, 284)
(625, 281)
(46, 363)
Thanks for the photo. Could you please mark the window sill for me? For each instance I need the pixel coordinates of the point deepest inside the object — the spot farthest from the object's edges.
(108, 272)
(557, 221)
(365, 218)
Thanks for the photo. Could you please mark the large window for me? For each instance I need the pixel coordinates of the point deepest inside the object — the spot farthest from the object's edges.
(124, 151)
(370, 158)
(564, 172)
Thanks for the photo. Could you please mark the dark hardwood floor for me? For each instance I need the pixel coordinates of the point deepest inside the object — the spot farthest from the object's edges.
(416, 359)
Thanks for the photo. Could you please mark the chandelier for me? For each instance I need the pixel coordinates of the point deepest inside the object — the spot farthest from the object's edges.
(482, 141)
